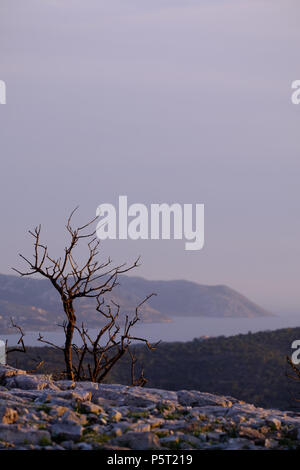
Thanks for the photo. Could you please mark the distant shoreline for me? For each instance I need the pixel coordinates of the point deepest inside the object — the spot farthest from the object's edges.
(180, 329)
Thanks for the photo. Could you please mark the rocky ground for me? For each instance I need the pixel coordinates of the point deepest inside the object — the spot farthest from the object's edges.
(38, 413)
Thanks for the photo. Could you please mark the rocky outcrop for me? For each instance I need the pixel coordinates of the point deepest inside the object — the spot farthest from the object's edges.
(38, 413)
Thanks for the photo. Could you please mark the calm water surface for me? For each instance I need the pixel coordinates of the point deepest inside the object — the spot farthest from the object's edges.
(183, 329)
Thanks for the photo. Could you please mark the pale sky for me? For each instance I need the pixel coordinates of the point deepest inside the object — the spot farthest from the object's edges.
(162, 101)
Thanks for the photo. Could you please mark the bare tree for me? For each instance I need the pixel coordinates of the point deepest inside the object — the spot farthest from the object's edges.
(141, 381)
(93, 280)
(20, 347)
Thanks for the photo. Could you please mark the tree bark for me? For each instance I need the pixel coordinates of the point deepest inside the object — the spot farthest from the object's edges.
(69, 339)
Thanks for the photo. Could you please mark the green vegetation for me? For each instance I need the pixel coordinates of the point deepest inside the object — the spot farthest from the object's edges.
(92, 436)
(44, 441)
(138, 415)
(250, 367)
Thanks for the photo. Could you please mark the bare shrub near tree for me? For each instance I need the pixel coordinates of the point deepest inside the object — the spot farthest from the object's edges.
(96, 356)
(20, 347)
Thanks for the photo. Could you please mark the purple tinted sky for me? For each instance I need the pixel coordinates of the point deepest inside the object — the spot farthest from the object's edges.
(164, 101)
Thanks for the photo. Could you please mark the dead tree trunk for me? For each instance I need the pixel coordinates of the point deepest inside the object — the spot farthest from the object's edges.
(69, 334)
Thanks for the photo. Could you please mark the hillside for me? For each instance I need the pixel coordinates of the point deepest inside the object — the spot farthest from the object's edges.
(185, 298)
(251, 367)
(38, 413)
(34, 304)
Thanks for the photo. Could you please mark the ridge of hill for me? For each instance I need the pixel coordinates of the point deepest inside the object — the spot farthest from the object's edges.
(34, 304)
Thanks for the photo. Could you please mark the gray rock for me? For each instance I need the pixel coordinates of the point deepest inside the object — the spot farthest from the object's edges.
(251, 433)
(122, 426)
(274, 422)
(117, 431)
(78, 395)
(66, 384)
(195, 398)
(271, 443)
(8, 371)
(69, 445)
(83, 446)
(140, 427)
(70, 416)
(215, 435)
(66, 431)
(155, 422)
(87, 386)
(139, 441)
(170, 440)
(8, 415)
(29, 382)
(89, 407)
(193, 440)
(12, 434)
(133, 396)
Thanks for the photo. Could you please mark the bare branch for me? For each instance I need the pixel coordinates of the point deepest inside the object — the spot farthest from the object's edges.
(22, 347)
(93, 279)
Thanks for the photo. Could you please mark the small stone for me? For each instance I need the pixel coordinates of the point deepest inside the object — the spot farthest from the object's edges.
(139, 441)
(8, 415)
(251, 433)
(140, 427)
(215, 436)
(71, 417)
(275, 423)
(169, 440)
(115, 416)
(83, 446)
(271, 443)
(66, 384)
(96, 428)
(122, 425)
(67, 445)
(58, 410)
(66, 431)
(118, 432)
(76, 396)
(155, 422)
(89, 407)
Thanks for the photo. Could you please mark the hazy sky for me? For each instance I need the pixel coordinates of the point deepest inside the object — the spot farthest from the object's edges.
(162, 101)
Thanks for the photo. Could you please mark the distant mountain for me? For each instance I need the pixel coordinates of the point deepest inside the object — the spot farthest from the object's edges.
(185, 298)
(35, 305)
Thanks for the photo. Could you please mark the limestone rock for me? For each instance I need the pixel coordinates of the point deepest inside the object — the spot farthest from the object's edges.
(38, 413)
